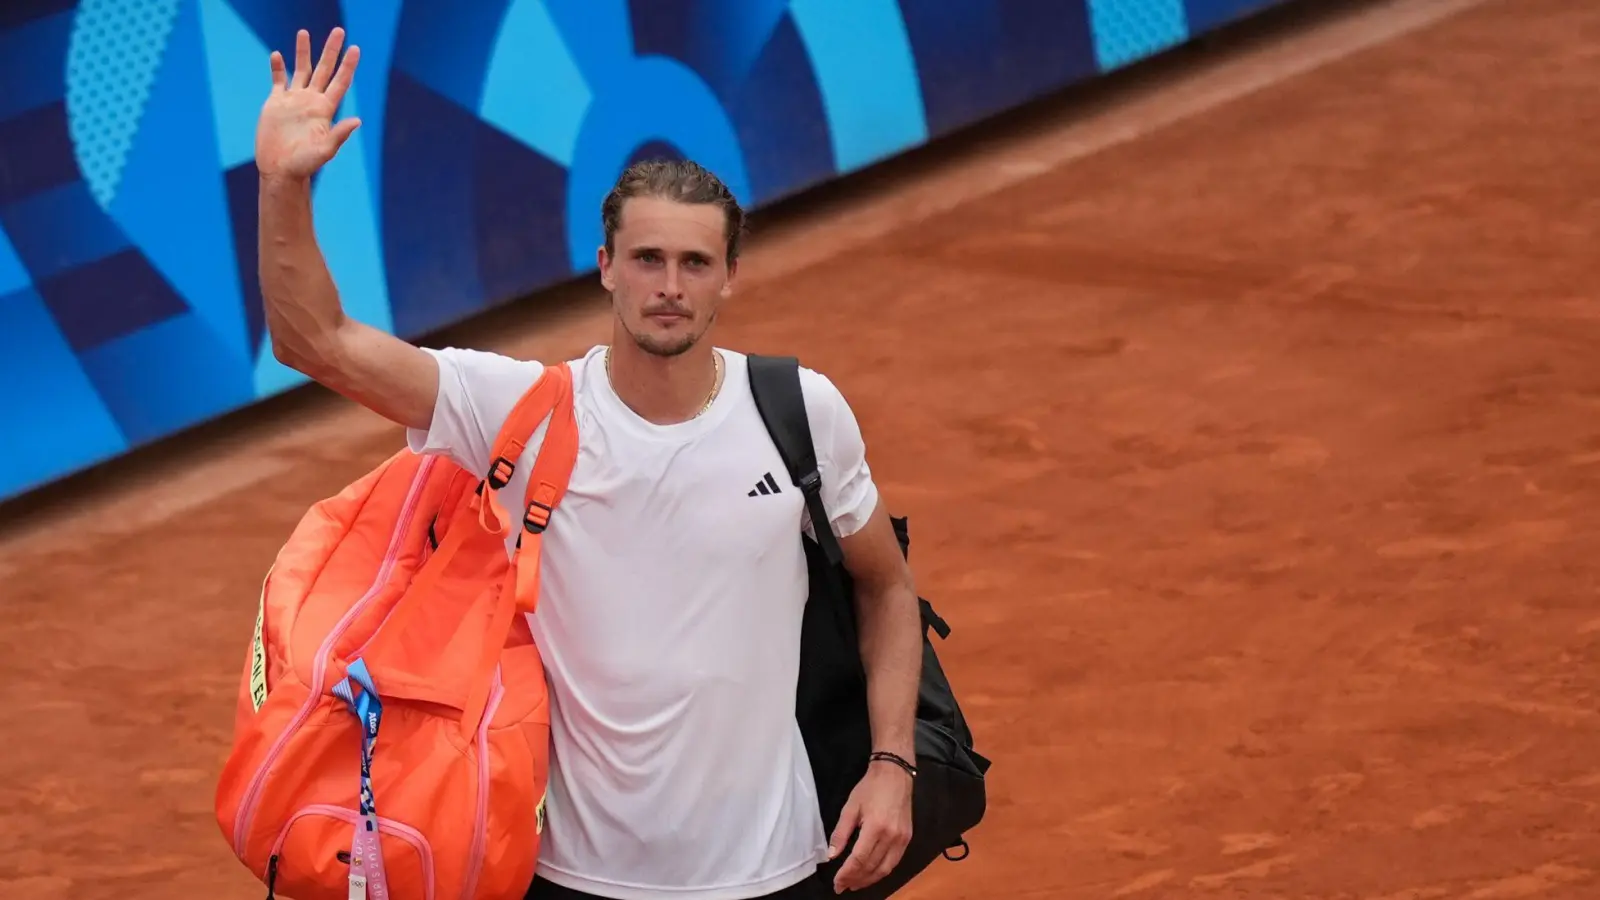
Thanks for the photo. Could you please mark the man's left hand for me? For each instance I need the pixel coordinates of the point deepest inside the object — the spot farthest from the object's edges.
(880, 806)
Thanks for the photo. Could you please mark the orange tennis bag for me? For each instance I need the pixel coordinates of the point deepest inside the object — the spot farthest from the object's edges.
(391, 738)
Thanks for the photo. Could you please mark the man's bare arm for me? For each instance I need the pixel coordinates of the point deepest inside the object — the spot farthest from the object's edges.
(891, 652)
(310, 332)
(891, 632)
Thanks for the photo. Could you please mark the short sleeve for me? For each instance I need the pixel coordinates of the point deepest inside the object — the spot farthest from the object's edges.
(477, 391)
(848, 491)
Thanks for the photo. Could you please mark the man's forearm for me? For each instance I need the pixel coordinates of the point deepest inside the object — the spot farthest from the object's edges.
(309, 328)
(300, 299)
(891, 651)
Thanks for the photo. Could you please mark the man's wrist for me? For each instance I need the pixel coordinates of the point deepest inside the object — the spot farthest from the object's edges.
(906, 762)
(278, 182)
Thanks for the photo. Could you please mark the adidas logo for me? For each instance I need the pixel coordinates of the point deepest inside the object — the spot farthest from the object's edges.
(765, 486)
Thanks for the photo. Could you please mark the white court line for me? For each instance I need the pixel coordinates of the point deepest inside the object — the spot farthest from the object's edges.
(810, 239)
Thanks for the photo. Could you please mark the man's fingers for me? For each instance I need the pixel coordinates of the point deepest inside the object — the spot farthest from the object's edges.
(302, 59)
(280, 78)
(894, 847)
(878, 850)
(863, 860)
(873, 860)
(345, 74)
(849, 874)
(849, 818)
(342, 131)
(329, 60)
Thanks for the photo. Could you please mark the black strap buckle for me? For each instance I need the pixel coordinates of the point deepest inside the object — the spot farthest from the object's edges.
(500, 472)
(536, 522)
(811, 482)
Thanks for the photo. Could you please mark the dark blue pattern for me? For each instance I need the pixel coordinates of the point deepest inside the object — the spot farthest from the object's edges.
(61, 229)
(427, 197)
(18, 13)
(109, 298)
(35, 153)
(1204, 15)
(31, 73)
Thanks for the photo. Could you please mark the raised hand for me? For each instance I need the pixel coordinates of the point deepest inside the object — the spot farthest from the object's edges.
(296, 134)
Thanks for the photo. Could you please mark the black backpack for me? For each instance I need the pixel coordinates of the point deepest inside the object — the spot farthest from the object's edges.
(949, 797)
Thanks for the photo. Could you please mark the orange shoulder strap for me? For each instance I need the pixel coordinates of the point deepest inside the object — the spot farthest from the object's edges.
(548, 396)
(547, 485)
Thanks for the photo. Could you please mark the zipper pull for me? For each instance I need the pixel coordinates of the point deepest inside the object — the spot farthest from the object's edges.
(272, 875)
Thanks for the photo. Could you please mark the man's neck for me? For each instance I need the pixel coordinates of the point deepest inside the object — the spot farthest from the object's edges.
(663, 390)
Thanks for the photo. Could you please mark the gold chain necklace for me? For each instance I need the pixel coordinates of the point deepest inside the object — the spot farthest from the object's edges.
(716, 382)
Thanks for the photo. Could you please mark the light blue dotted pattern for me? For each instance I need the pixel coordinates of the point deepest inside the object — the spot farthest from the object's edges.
(1126, 31)
(112, 59)
(171, 201)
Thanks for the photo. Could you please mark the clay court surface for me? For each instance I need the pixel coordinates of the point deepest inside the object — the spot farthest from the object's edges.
(1255, 460)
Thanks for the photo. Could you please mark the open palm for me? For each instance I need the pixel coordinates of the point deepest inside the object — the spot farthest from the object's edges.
(296, 134)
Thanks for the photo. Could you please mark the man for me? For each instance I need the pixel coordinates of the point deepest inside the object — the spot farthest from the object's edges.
(670, 615)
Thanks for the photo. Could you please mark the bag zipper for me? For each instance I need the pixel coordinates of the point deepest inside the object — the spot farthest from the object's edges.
(319, 668)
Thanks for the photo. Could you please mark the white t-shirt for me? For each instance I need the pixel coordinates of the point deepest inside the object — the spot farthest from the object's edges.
(669, 624)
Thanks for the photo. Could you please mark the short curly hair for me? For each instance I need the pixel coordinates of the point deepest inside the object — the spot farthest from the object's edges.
(681, 180)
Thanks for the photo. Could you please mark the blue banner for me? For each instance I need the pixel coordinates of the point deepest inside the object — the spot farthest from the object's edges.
(129, 307)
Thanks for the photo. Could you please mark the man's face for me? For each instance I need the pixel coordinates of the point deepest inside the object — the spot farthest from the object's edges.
(668, 274)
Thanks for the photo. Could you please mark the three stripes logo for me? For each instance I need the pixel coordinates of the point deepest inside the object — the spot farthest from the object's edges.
(765, 487)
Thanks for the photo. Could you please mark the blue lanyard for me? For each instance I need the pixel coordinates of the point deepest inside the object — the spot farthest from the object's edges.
(366, 856)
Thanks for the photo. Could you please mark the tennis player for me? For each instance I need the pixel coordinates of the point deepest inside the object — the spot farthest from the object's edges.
(675, 580)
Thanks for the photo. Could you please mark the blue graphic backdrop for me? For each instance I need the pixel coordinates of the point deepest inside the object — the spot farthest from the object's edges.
(129, 307)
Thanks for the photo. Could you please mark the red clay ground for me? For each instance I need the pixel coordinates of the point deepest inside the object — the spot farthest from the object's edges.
(1255, 463)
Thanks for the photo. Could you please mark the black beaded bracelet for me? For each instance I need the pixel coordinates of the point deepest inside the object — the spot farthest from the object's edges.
(895, 758)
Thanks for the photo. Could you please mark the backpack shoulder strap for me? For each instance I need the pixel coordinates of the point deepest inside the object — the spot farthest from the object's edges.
(775, 383)
(545, 398)
(550, 396)
(547, 485)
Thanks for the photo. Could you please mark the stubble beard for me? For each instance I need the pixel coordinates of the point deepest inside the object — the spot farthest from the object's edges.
(670, 347)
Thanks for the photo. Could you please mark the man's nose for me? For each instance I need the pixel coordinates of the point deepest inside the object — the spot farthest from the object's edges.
(672, 287)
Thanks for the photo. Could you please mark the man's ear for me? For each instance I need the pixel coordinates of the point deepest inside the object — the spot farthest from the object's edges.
(727, 286)
(603, 262)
